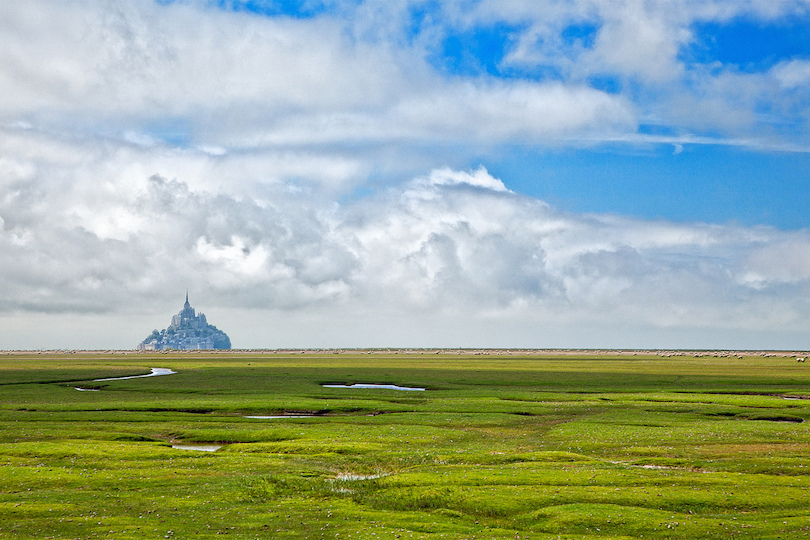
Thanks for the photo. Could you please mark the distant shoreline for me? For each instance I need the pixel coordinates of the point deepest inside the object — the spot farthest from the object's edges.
(434, 351)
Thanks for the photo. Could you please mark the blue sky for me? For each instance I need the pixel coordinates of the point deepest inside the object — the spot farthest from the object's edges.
(716, 181)
(708, 182)
(701, 183)
(571, 173)
(751, 44)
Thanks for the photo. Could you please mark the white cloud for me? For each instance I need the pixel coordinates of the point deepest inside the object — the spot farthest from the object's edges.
(479, 178)
(785, 260)
(449, 248)
(147, 148)
(642, 49)
(236, 258)
(191, 75)
(635, 40)
(230, 79)
(793, 73)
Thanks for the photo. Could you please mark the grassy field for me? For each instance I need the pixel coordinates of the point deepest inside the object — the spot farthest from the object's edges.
(508, 445)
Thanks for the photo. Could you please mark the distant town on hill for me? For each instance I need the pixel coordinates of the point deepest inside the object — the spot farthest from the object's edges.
(187, 331)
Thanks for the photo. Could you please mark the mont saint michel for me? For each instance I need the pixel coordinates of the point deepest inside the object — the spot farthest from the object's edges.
(187, 331)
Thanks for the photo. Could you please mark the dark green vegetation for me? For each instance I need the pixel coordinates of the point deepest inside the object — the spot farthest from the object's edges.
(499, 446)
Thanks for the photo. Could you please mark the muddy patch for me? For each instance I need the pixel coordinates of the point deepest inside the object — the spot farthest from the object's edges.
(788, 419)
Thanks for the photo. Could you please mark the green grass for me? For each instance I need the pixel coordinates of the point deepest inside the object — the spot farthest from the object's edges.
(552, 445)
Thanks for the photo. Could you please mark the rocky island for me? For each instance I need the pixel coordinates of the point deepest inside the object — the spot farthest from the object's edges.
(187, 331)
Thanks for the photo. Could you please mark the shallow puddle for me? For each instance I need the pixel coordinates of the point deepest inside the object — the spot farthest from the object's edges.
(198, 447)
(375, 387)
(255, 417)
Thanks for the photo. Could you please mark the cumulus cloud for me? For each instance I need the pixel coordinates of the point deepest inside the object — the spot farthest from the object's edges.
(638, 42)
(451, 243)
(220, 80)
(644, 49)
(479, 178)
(188, 73)
(180, 72)
(314, 172)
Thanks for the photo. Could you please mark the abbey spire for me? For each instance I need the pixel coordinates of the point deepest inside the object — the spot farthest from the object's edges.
(188, 330)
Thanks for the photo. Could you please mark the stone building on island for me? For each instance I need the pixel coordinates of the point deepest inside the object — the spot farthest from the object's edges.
(187, 331)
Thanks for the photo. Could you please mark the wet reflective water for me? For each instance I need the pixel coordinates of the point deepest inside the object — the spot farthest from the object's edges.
(375, 387)
(156, 371)
(281, 416)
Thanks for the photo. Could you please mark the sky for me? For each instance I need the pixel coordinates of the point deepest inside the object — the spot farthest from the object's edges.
(407, 173)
